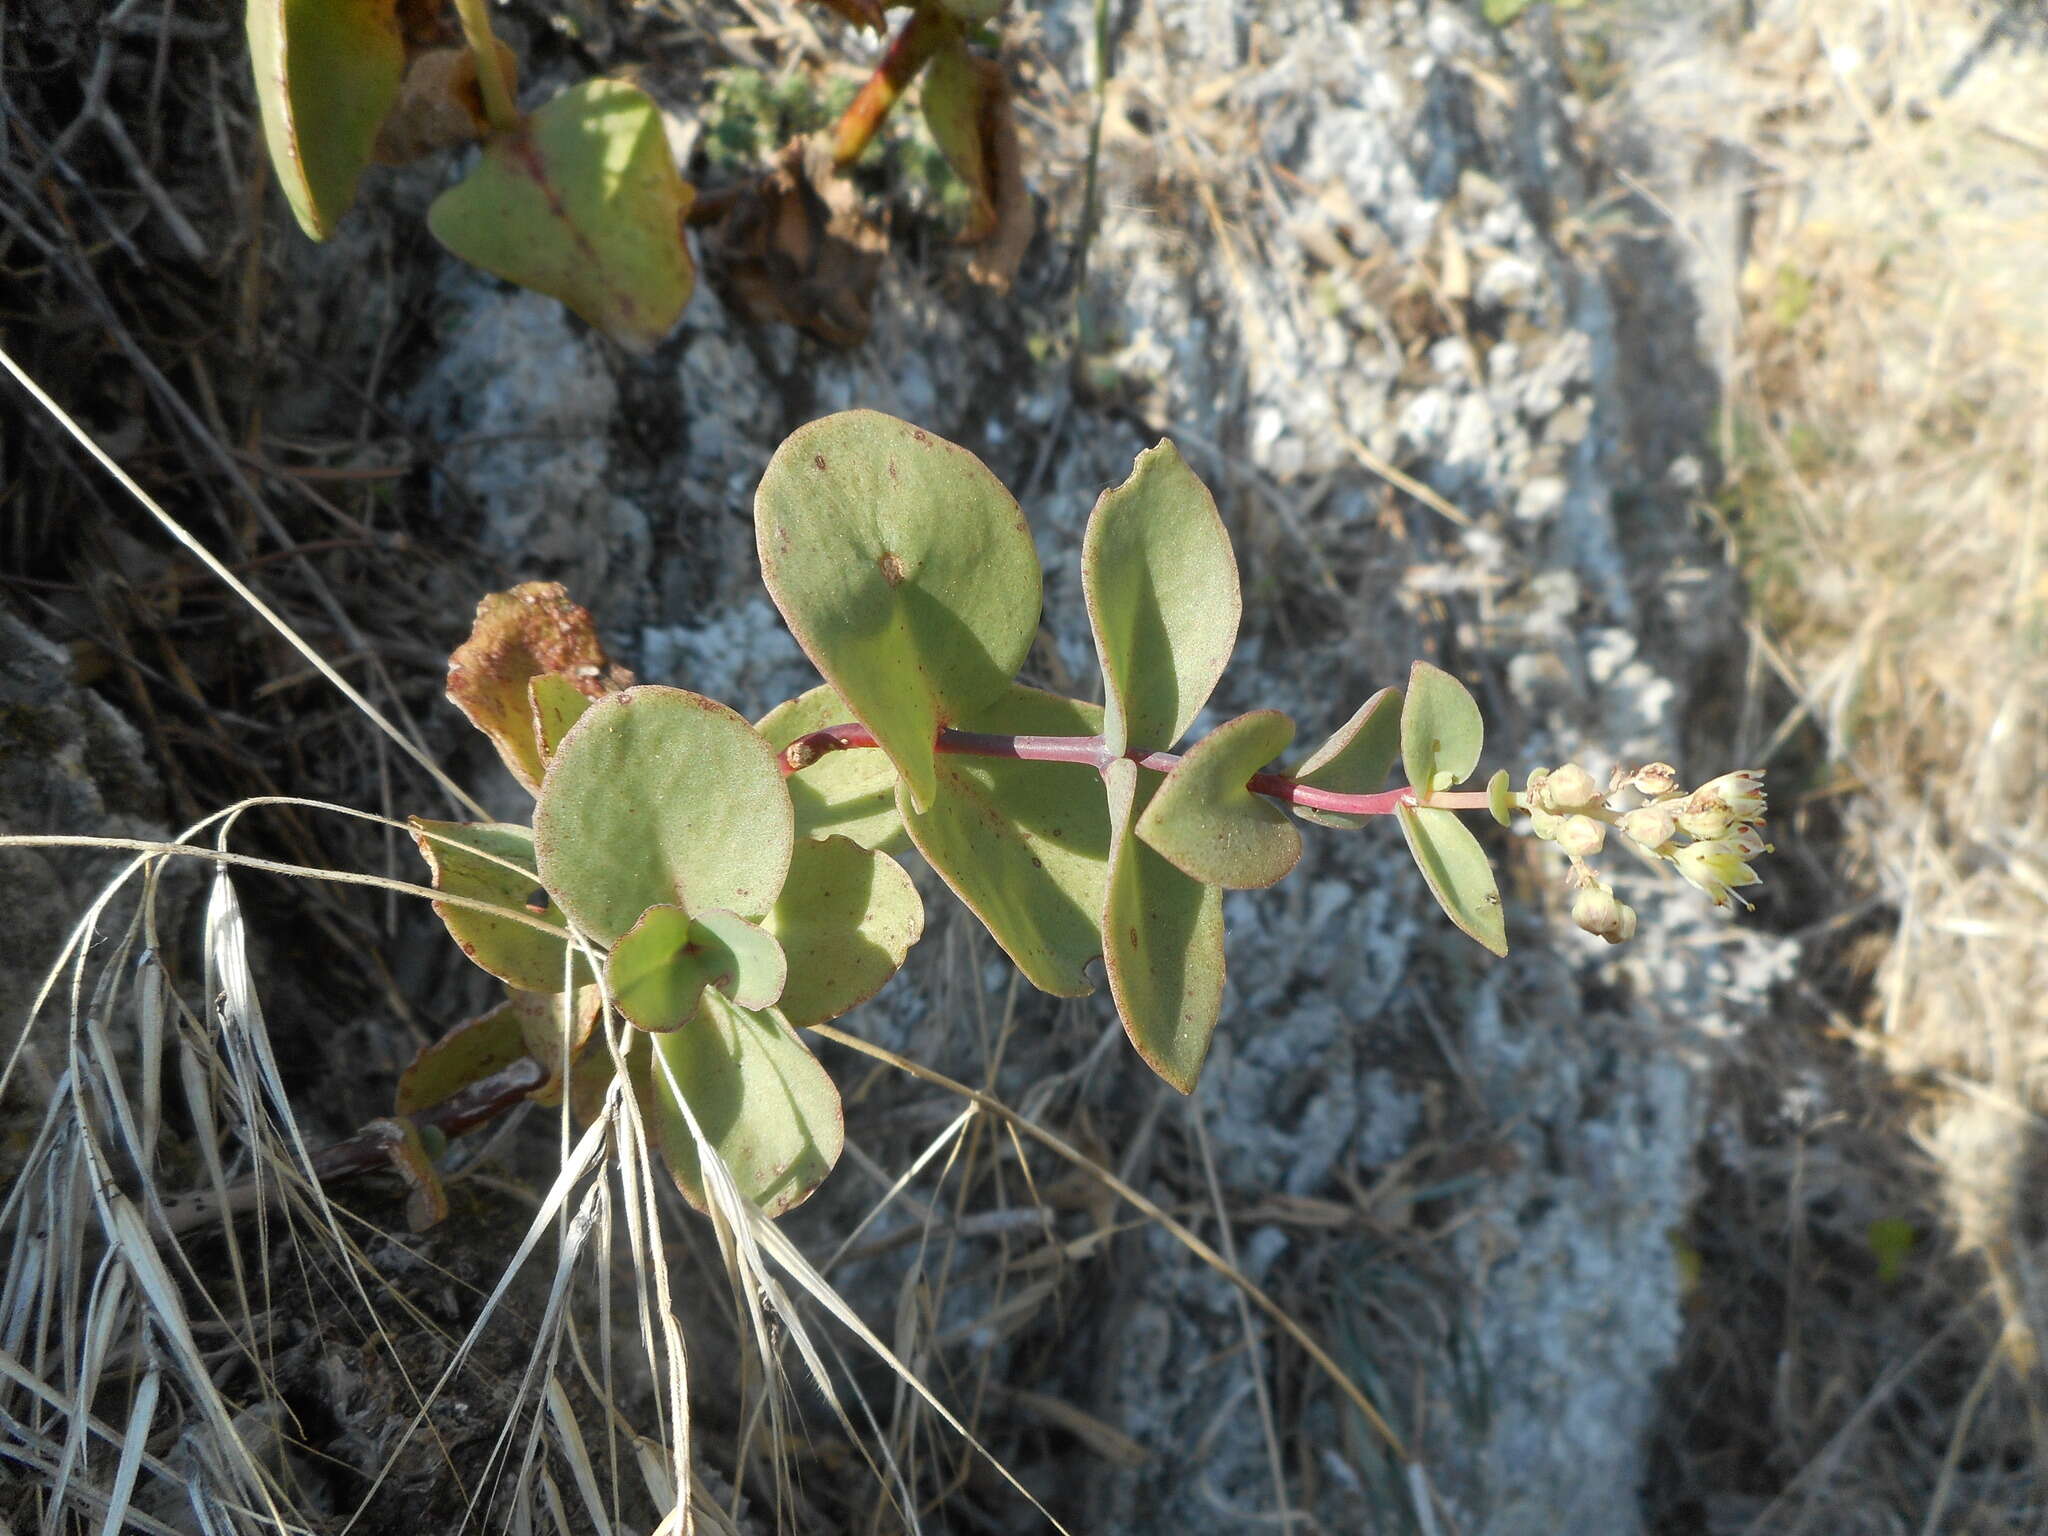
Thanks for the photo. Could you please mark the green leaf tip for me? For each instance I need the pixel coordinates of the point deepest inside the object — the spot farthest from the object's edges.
(583, 203)
(846, 919)
(1457, 872)
(905, 571)
(1162, 940)
(494, 862)
(1500, 798)
(761, 1100)
(660, 797)
(1441, 732)
(1163, 602)
(1208, 825)
(327, 74)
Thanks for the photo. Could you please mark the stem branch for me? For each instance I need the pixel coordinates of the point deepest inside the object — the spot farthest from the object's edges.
(909, 52)
(1088, 752)
(490, 69)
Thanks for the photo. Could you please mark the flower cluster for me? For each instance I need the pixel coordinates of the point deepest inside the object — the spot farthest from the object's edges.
(1708, 834)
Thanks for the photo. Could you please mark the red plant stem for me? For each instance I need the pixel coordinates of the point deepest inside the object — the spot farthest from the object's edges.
(912, 48)
(1088, 752)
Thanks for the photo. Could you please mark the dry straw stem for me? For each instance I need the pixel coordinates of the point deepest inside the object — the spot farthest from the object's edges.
(1895, 356)
(1887, 443)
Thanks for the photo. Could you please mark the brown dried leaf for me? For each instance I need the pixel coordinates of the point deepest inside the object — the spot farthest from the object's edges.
(795, 248)
(439, 106)
(518, 635)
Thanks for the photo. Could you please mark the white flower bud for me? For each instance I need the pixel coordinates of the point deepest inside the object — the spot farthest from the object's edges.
(1595, 910)
(1650, 826)
(1570, 788)
(1582, 835)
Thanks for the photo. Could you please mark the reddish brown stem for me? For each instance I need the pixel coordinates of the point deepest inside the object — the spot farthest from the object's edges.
(922, 36)
(1088, 751)
(368, 1151)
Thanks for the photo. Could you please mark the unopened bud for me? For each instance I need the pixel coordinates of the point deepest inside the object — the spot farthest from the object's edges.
(1581, 835)
(1595, 910)
(1570, 788)
(1545, 824)
(1650, 826)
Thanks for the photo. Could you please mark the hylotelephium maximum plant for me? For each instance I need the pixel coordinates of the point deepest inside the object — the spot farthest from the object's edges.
(719, 885)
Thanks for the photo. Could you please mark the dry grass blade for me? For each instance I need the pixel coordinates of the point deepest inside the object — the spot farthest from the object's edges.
(1152, 1212)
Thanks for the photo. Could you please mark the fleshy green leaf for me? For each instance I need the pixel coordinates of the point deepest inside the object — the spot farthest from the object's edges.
(1208, 825)
(904, 570)
(845, 794)
(327, 74)
(1355, 760)
(511, 951)
(582, 203)
(1162, 941)
(1441, 732)
(660, 970)
(531, 631)
(659, 797)
(1163, 601)
(846, 918)
(468, 1053)
(759, 1096)
(557, 704)
(1025, 845)
(953, 100)
(1459, 876)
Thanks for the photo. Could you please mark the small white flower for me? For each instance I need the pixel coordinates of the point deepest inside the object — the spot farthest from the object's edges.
(1717, 868)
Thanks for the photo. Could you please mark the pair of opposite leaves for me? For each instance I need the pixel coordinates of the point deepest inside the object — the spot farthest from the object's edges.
(907, 574)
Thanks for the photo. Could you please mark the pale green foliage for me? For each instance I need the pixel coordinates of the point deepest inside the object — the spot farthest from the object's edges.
(848, 794)
(1025, 845)
(327, 73)
(494, 862)
(1161, 940)
(1458, 875)
(1209, 825)
(581, 202)
(1441, 732)
(1161, 586)
(738, 877)
(661, 797)
(906, 573)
